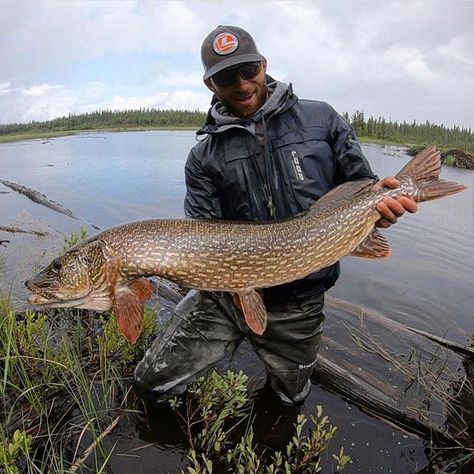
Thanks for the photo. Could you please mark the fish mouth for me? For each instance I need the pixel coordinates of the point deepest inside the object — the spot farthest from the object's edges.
(48, 300)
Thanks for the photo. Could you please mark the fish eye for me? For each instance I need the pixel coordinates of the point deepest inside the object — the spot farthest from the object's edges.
(56, 265)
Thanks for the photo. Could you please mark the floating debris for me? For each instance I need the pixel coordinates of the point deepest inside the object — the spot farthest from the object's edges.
(18, 230)
(39, 198)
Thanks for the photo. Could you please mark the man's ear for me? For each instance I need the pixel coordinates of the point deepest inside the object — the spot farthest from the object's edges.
(209, 85)
(264, 65)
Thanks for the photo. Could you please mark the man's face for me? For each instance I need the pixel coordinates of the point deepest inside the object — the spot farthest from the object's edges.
(245, 96)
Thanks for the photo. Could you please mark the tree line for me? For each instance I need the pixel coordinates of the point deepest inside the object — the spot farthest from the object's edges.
(411, 133)
(372, 128)
(103, 119)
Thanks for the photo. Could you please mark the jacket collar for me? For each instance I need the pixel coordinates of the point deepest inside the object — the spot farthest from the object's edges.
(220, 119)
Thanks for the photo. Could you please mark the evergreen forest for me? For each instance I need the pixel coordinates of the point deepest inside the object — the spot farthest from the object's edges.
(378, 129)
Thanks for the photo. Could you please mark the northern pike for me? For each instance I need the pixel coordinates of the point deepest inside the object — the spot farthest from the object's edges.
(110, 270)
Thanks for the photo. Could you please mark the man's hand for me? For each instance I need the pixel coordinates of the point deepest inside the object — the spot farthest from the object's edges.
(392, 208)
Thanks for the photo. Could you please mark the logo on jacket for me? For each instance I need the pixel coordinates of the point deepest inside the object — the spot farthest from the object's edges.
(295, 161)
(225, 43)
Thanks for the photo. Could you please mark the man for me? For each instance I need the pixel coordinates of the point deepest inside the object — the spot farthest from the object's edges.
(265, 155)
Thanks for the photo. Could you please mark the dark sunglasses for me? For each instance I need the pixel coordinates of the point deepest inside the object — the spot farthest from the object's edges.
(228, 77)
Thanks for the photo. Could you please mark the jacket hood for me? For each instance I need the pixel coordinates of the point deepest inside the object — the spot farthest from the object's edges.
(219, 118)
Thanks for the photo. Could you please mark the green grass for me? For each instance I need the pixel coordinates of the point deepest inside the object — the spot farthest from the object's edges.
(63, 380)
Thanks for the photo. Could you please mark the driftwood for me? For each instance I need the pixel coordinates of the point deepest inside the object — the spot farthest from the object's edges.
(4, 242)
(393, 325)
(18, 230)
(372, 401)
(39, 198)
(461, 350)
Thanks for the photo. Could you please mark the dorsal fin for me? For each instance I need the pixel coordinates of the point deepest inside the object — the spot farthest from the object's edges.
(349, 189)
(425, 165)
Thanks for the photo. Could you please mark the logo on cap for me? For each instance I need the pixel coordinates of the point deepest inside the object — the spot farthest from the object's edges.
(225, 43)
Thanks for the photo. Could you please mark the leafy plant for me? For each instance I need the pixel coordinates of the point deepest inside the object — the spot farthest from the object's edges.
(10, 451)
(74, 239)
(213, 409)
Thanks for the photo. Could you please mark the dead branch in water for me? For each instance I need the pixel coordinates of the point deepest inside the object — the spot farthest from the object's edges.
(372, 401)
(464, 351)
(391, 324)
(39, 198)
(75, 467)
(18, 230)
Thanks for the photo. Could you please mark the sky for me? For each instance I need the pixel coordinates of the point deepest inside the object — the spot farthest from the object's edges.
(401, 60)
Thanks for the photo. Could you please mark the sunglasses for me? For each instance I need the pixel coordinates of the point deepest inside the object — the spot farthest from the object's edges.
(228, 77)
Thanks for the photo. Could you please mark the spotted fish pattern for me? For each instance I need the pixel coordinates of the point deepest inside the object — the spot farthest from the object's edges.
(110, 269)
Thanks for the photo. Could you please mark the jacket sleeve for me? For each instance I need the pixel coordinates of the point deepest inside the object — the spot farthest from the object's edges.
(351, 164)
(202, 199)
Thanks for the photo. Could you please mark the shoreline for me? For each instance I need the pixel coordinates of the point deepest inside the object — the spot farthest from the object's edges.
(450, 156)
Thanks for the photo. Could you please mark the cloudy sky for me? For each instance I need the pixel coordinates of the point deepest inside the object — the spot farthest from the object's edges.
(402, 60)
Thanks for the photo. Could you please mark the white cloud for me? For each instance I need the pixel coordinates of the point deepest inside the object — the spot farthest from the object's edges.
(4, 87)
(399, 59)
(41, 89)
(184, 99)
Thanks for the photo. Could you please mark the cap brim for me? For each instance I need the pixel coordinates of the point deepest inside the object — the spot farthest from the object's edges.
(232, 61)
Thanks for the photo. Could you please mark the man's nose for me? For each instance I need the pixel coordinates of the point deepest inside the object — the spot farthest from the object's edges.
(241, 82)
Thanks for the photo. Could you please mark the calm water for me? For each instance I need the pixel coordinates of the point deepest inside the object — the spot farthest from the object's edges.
(107, 179)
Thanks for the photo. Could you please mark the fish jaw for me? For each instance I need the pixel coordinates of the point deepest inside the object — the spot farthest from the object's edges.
(94, 300)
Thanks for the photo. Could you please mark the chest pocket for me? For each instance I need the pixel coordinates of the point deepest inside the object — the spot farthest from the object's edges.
(305, 165)
(242, 196)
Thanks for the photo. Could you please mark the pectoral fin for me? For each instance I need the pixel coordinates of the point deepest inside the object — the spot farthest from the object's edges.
(128, 309)
(375, 245)
(255, 313)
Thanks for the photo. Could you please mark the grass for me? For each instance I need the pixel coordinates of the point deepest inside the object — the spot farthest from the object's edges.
(64, 389)
(60, 380)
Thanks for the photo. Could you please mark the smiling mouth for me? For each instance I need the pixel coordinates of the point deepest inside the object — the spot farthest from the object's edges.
(245, 98)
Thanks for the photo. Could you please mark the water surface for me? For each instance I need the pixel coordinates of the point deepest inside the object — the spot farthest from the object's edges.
(110, 178)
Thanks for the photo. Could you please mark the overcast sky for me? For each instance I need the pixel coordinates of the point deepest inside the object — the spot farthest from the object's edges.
(402, 60)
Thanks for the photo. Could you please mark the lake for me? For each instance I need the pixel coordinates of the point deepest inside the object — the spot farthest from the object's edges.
(110, 178)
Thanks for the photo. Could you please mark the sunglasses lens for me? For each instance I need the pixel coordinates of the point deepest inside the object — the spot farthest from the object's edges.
(249, 70)
(227, 77)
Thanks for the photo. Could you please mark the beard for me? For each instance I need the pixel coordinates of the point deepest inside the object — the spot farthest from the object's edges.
(247, 110)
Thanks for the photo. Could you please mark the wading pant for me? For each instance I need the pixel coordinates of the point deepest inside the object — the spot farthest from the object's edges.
(206, 327)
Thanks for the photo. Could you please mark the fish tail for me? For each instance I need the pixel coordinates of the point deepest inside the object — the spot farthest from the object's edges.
(424, 169)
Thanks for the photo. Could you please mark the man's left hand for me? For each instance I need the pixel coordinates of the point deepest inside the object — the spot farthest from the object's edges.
(392, 208)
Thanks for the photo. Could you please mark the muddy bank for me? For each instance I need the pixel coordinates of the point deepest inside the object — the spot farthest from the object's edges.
(450, 157)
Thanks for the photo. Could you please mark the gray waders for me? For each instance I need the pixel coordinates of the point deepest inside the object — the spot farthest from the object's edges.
(206, 327)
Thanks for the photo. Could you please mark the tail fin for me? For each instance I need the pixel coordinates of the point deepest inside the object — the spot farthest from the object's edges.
(424, 169)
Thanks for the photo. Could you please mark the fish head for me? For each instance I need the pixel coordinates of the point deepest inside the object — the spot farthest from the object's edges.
(76, 279)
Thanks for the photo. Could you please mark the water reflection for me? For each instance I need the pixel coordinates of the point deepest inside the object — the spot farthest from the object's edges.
(107, 179)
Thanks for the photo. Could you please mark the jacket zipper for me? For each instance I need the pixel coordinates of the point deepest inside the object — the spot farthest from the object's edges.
(262, 173)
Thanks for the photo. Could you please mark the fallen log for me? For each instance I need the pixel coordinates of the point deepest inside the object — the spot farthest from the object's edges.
(371, 401)
(462, 350)
(18, 230)
(393, 325)
(39, 198)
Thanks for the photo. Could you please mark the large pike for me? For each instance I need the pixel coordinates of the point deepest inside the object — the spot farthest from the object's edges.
(108, 270)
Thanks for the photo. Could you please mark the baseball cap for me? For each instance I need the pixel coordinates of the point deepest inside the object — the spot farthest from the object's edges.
(227, 46)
